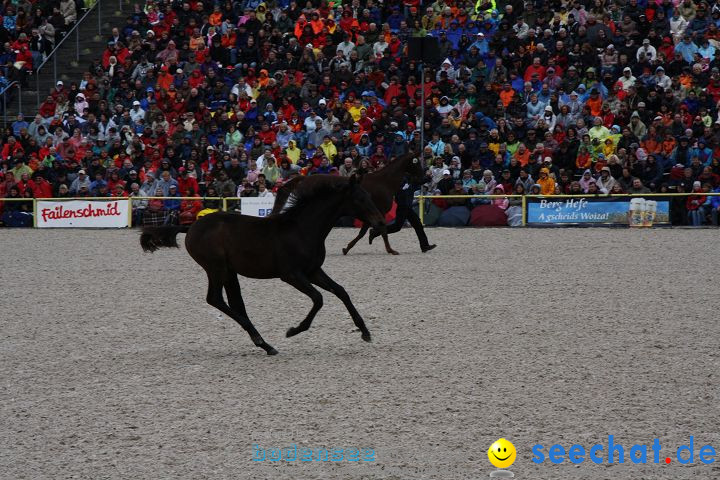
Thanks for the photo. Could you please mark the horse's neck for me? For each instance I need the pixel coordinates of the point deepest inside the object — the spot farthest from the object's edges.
(320, 216)
(392, 175)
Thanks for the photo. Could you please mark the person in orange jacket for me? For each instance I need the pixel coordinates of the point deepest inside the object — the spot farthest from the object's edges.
(546, 182)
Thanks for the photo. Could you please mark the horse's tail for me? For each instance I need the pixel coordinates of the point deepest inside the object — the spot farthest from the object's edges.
(153, 238)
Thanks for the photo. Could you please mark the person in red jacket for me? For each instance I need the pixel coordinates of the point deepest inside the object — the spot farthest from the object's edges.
(11, 148)
(47, 109)
(266, 134)
(41, 188)
(186, 183)
(536, 67)
(696, 205)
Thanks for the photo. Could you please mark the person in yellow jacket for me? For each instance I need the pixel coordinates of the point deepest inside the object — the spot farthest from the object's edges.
(546, 182)
(484, 7)
(292, 152)
(328, 148)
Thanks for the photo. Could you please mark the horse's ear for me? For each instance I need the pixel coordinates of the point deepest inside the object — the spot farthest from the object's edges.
(354, 180)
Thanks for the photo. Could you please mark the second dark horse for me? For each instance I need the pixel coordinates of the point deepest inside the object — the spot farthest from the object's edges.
(382, 186)
(289, 246)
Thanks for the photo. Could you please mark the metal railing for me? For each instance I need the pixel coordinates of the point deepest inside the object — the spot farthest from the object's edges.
(4, 92)
(421, 198)
(68, 34)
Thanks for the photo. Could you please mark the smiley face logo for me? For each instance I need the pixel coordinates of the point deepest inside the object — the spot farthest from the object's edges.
(502, 453)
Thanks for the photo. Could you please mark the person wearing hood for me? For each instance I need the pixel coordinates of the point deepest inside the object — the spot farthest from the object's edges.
(549, 118)
(546, 182)
(572, 101)
(536, 189)
(81, 105)
(501, 203)
(605, 182)
(292, 152)
(586, 179)
(525, 179)
(329, 148)
(149, 186)
(637, 127)
(444, 107)
(599, 131)
(447, 68)
(535, 109)
(484, 186)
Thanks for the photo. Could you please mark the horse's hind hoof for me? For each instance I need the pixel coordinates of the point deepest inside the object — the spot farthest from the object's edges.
(292, 331)
(345, 251)
(428, 248)
(393, 252)
(272, 351)
(366, 337)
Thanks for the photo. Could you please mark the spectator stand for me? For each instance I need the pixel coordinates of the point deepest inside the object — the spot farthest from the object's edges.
(580, 101)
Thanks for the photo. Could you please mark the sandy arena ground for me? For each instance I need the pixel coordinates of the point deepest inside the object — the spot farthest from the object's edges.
(113, 366)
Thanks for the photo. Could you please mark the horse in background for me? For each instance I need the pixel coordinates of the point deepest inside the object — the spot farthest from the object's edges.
(289, 245)
(382, 186)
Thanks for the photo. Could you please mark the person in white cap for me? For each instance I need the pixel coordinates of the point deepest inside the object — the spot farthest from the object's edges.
(82, 180)
(137, 113)
(627, 79)
(646, 51)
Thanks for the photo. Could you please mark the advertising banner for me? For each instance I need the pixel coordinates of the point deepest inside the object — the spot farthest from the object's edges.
(599, 211)
(257, 206)
(111, 213)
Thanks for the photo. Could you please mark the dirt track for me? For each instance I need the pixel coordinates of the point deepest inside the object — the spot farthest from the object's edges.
(114, 367)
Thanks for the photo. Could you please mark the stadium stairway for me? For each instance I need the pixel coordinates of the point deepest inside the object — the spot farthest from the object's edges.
(91, 47)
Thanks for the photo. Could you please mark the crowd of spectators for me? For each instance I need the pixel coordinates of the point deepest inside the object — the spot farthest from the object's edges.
(28, 33)
(231, 98)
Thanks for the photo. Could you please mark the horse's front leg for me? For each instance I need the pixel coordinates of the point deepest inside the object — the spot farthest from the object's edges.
(360, 235)
(322, 280)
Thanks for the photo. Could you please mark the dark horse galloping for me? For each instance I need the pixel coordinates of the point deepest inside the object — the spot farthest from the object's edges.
(382, 186)
(289, 246)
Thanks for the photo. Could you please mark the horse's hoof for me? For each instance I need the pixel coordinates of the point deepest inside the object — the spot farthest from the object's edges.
(366, 337)
(292, 331)
(345, 250)
(393, 252)
(428, 248)
(272, 351)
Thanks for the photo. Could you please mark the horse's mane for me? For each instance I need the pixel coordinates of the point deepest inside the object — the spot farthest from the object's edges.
(296, 197)
(283, 194)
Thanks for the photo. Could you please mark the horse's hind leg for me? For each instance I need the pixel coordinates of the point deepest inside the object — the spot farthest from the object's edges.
(237, 310)
(322, 280)
(232, 290)
(302, 284)
(360, 235)
(388, 248)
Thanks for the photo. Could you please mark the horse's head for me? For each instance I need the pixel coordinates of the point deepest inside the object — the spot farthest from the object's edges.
(413, 167)
(359, 202)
